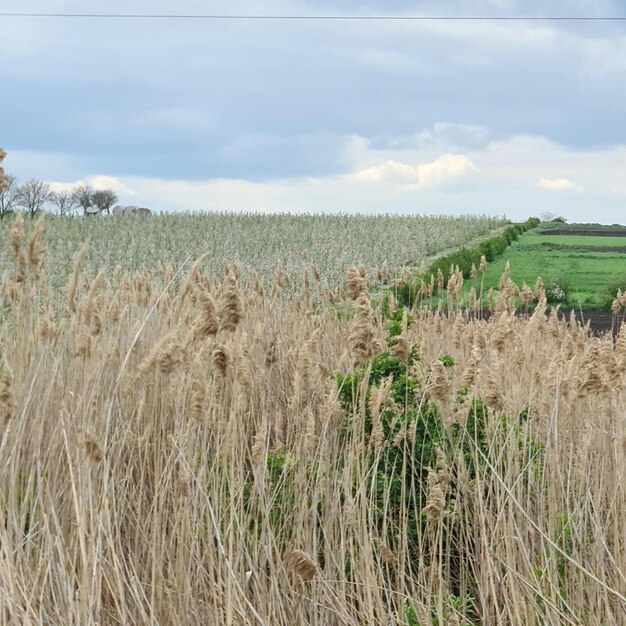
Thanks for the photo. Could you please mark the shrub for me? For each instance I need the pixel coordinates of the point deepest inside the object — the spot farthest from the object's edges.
(607, 296)
(557, 289)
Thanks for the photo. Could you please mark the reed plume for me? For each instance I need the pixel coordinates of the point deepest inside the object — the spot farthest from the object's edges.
(230, 310)
(73, 284)
(301, 564)
(7, 399)
(363, 341)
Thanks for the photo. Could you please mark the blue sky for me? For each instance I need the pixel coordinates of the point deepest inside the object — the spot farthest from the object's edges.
(447, 117)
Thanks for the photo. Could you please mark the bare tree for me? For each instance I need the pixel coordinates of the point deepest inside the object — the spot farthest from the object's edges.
(33, 195)
(64, 201)
(8, 195)
(104, 199)
(83, 197)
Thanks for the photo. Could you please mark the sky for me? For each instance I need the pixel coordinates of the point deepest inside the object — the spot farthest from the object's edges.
(505, 118)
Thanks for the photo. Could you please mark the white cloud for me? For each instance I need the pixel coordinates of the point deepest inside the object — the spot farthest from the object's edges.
(604, 56)
(515, 178)
(559, 184)
(111, 182)
(97, 182)
(446, 167)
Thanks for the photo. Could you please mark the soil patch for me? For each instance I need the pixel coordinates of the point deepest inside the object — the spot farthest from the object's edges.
(585, 232)
(600, 322)
(564, 248)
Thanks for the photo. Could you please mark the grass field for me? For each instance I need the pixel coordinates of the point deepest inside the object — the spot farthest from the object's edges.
(588, 265)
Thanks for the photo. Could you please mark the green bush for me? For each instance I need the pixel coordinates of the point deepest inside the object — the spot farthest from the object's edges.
(490, 248)
(464, 258)
(607, 295)
(399, 464)
(557, 289)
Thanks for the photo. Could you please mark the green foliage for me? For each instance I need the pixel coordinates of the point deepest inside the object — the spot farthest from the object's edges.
(589, 266)
(446, 360)
(402, 462)
(557, 289)
(413, 441)
(608, 294)
(464, 258)
(394, 326)
(283, 498)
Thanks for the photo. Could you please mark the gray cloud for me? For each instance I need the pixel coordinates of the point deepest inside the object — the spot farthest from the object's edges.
(274, 100)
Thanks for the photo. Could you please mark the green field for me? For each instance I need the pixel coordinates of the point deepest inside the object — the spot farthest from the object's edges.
(588, 266)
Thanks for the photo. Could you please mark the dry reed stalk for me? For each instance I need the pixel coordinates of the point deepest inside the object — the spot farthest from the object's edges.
(437, 386)
(435, 502)
(387, 556)
(88, 308)
(491, 391)
(190, 278)
(356, 282)
(301, 564)
(472, 300)
(382, 273)
(363, 341)
(221, 359)
(35, 248)
(7, 398)
(230, 309)
(73, 284)
(147, 536)
(526, 295)
(258, 284)
(93, 449)
(19, 256)
(4, 181)
(208, 322)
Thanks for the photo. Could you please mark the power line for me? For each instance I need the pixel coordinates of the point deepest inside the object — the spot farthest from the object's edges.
(372, 18)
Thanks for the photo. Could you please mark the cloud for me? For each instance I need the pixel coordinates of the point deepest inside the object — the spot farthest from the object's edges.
(97, 182)
(559, 184)
(446, 167)
(393, 61)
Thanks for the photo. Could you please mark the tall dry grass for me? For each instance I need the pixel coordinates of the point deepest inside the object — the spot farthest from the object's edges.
(174, 451)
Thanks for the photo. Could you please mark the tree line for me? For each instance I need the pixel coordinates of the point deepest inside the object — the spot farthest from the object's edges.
(35, 195)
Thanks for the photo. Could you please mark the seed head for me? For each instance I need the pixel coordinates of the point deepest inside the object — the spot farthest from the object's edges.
(301, 564)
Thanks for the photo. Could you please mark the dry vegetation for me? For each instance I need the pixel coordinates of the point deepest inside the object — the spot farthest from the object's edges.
(204, 452)
(257, 242)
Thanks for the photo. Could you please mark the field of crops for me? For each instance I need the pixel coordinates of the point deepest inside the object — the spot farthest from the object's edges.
(208, 451)
(581, 265)
(332, 242)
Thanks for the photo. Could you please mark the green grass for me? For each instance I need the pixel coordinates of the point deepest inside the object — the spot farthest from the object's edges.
(589, 274)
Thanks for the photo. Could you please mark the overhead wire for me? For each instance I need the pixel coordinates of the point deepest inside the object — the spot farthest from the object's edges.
(416, 18)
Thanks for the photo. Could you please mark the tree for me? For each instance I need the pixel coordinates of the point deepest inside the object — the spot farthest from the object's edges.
(64, 201)
(104, 199)
(33, 195)
(547, 216)
(7, 188)
(83, 197)
(8, 195)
